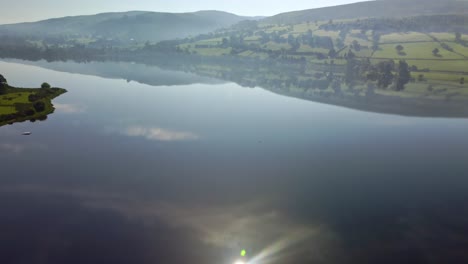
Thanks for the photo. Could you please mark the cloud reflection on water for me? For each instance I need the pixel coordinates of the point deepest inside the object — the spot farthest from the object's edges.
(70, 108)
(159, 134)
(217, 231)
(12, 148)
(19, 148)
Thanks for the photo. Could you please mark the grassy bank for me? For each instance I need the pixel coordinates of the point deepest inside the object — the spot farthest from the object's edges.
(23, 104)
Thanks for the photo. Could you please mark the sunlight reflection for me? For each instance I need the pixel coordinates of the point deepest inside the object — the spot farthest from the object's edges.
(281, 248)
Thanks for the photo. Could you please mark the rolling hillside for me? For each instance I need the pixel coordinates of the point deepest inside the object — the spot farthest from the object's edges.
(137, 25)
(378, 9)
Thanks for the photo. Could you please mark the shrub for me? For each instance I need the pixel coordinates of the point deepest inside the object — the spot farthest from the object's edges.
(39, 106)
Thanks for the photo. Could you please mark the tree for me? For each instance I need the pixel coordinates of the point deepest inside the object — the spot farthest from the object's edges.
(3, 84)
(403, 76)
(384, 73)
(421, 77)
(225, 43)
(457, 36)
(2, 79)
(462, 80)
(356, 46)
(435, 52)
(45, 85)
(400, 49)
(39, 106)
(352, 70)
(340, 43)
(350, 55)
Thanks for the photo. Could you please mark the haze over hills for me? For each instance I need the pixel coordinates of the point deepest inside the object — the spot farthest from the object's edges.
(378, 9)
(141, 73)
(156, 26)
(137, 25)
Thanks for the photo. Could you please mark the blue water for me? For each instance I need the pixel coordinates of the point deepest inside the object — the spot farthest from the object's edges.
(194, 172)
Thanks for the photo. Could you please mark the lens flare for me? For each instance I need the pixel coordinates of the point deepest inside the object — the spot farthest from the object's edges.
(239, 262)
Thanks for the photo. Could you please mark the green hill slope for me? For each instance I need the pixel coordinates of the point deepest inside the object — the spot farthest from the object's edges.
(378, 9)
(137, 25)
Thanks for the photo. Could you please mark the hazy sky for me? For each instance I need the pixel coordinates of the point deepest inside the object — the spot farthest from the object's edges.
(32, 10)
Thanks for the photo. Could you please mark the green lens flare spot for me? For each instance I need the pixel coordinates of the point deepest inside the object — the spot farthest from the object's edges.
(243, 253)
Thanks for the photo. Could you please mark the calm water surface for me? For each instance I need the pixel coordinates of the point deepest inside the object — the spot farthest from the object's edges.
(125, 172)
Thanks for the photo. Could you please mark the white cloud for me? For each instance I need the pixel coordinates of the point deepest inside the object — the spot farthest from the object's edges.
(70, 108)
(159, 134)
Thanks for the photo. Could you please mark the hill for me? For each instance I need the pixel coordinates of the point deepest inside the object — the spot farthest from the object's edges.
(135, 25)
(420, 58)
(375, 9)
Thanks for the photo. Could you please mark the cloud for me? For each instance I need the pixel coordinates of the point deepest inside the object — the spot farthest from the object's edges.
(14, 148)
(70, 108)
(159, 134)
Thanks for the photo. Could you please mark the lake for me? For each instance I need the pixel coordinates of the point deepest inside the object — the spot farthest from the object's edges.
(179, 168)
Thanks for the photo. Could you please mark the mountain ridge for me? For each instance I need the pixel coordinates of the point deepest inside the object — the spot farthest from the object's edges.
(374, 9)
(138, 25)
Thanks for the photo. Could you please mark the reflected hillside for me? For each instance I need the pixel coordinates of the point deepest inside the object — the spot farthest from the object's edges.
(142, 73)
(334, 84)
(328, 83)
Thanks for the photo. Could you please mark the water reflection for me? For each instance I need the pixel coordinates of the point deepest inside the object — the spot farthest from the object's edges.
(289, 181)
(52, 228)
(325, 83)
(70, 108)
(160, 134)
(12, 148)
(77, 225)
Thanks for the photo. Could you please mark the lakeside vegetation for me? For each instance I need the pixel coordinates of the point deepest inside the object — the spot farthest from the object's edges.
(26, 104)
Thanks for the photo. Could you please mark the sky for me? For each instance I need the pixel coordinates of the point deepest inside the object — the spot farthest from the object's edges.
(32, 10)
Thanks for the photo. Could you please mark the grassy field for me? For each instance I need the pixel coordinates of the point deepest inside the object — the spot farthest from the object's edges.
(21, 104)
(307, 48)
(7, 109)
(304, 27)
(446, 67)
(448, 36)
(405, 37)
(421, 50)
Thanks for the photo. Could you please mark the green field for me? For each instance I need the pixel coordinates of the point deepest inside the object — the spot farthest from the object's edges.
(444, 68)
(400, 37)
(421, 50)
(7, 109)
(21, 104)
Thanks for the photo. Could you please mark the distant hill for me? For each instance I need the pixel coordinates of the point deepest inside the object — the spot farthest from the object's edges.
(379, 9)
(137, 25)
